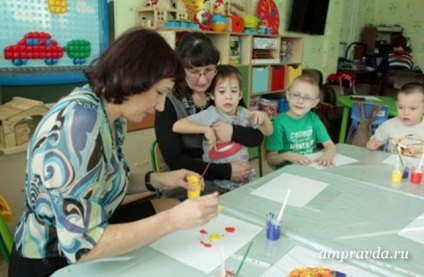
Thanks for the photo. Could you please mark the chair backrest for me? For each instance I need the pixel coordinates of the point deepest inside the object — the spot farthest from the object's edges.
(382, 115)
(355, 115)
(6, 237)
(155, 156)
(156, 161)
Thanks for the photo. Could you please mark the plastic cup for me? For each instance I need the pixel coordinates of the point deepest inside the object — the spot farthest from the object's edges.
(272, 227)
(397, 175)
(416, 175)
(405, 172)
(194, 181)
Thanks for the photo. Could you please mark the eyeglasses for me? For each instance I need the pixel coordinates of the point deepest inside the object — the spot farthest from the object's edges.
(195, 75)
(307, 99)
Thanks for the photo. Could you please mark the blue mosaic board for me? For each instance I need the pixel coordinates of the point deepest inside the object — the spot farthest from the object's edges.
(31, 27)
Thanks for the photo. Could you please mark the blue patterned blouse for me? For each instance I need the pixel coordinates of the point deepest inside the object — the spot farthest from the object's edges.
(76, 177)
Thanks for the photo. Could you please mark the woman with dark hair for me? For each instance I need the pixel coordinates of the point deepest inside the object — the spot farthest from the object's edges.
(77, 175)
(199, 58)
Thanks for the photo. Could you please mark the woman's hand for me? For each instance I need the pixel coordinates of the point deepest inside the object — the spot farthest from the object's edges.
(195, 212)
(240, 171)
(223, 131)
(172, 179)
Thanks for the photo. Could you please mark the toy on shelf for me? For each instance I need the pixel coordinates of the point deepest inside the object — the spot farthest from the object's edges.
(18, 119)
(250, 24)
(203, 14)
(268, 11)
(153, 14)
(219, 22)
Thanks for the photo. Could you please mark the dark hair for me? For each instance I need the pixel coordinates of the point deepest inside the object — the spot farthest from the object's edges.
(399, 41)
(226, 71)
(194, 49)
(132, 64)
(412, 87)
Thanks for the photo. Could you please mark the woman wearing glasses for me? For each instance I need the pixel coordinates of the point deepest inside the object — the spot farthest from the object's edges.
(298, 131)
(199, 58)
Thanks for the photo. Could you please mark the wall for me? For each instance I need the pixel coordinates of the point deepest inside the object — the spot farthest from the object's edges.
(409, 15)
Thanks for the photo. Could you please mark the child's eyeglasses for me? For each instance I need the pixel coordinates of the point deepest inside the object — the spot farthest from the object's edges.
(307, 99)
(195, 75)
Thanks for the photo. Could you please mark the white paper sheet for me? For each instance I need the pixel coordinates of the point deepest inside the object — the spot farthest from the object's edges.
(339, 160)
(415, 230)
(300, 257)
(391, 160)
(303, 189)
(188, 246)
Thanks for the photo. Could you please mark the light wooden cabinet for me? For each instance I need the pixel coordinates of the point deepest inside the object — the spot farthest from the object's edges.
(268, 63)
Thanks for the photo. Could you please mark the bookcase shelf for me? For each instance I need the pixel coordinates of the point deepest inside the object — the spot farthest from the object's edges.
(279, 61)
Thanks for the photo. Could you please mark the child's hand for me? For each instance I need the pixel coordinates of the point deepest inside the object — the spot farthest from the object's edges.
(299, 159)
(373, 144)
(210, 137)
(258, 117)
(324, 161)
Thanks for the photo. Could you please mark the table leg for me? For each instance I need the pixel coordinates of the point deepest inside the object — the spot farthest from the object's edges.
(343, 125)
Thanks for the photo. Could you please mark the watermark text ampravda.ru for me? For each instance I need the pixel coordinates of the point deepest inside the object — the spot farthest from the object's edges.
(377, 254)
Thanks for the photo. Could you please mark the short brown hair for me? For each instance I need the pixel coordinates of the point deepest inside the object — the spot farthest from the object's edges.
(132, 64)
(226, 71)
(306, 78)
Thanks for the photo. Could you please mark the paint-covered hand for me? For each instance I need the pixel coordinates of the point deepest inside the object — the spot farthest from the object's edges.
(195, 212)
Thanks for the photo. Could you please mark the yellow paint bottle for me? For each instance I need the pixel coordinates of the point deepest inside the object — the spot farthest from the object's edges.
(397, 175)
(194, 181)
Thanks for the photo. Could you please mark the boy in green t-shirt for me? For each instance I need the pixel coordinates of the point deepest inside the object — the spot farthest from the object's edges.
(298, 131)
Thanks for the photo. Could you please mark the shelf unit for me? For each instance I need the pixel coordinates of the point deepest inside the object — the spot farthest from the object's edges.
(372, 35)
(266, 74)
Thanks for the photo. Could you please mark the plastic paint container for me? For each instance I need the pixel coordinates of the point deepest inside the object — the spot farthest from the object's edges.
(397, 176)
(272, 227)
(416, 176)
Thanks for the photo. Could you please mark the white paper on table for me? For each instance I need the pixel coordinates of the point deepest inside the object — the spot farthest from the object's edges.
(303, 189)
(415, 230)
(411, 161)
(368, 97)
(186, 246)
(300, 257)
(338, 160)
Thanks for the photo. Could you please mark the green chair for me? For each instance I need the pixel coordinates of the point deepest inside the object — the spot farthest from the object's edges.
(156, 161)
(6, 237)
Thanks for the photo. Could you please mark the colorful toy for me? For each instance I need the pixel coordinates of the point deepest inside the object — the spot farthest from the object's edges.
(154, 15)
(267, 10)
(78, 50)
(57, 6)
(315, 272)
(250, 24)
(219, 8)
(203, 15)
(34, 45)
(219, 22)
